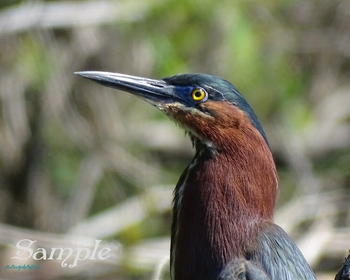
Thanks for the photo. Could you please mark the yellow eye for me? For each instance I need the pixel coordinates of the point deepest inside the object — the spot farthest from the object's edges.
(198, 94)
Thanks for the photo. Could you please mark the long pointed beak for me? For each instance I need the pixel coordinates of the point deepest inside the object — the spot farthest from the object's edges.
(156, 92)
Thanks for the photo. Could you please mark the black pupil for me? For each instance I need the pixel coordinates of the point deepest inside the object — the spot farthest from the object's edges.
(198, 94)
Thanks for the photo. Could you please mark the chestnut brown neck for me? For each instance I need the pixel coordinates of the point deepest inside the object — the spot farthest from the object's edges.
(221, 199)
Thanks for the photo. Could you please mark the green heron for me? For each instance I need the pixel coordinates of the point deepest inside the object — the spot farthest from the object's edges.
(224, 202)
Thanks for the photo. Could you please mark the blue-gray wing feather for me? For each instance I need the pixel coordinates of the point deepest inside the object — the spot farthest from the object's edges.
(274, 257)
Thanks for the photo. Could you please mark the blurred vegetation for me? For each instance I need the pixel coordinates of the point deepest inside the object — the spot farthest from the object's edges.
(73, 153)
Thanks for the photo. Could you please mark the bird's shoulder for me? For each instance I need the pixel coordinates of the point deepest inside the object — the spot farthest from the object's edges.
(279, 256)
(273, 256)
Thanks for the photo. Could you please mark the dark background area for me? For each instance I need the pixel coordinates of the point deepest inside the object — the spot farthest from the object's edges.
(80, 162)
